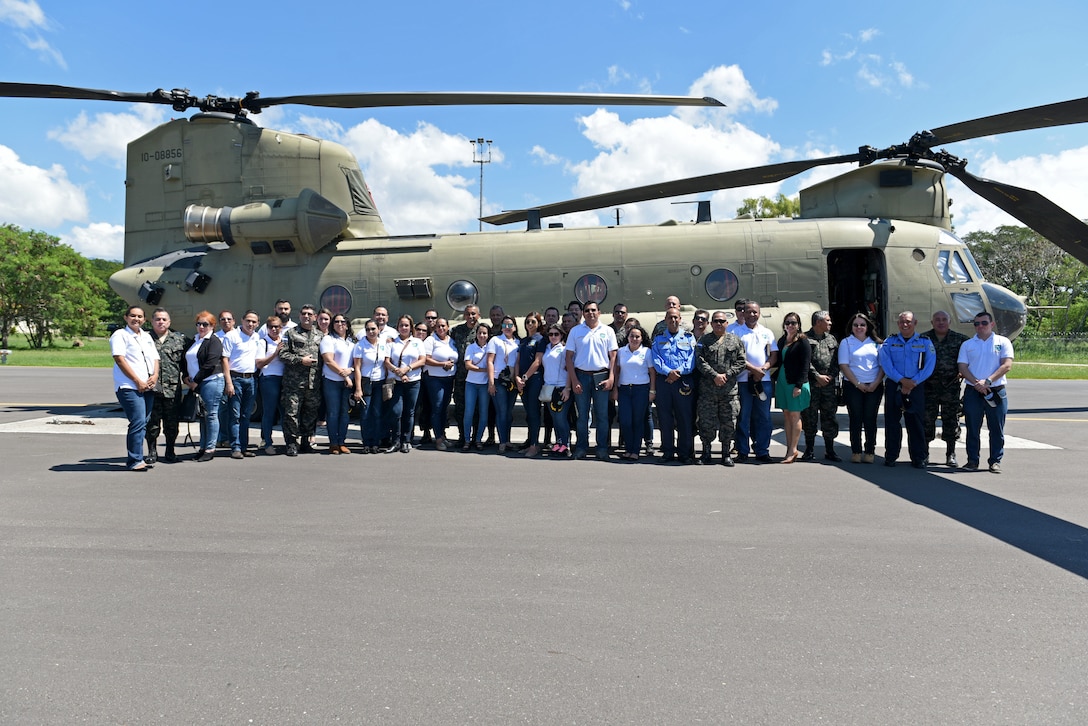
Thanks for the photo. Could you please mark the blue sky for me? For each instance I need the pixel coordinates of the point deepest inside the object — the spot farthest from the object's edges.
(800, 80)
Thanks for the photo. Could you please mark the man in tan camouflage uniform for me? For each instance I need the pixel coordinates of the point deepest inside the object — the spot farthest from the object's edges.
(720, 359)
(164, 411)
(823, 374)
(301, 395)
(943, 389)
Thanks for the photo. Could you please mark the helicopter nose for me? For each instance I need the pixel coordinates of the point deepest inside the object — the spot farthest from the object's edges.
(128, 283)
(1009, 311)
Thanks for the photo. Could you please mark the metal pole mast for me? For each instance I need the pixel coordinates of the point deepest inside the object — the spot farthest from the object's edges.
(481, 154)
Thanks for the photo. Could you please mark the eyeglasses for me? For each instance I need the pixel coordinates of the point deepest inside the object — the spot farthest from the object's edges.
(981, 323)
(339, 322)
(717, 322)
(700, 319)
(422, 330)
(372, 330)
(554, 334)
(791, 322)
(274, 327)
(860, 325)
(430, 317)
(507, 325)
(202, 324)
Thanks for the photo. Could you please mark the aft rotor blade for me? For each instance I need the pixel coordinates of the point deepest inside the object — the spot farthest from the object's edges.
(1039, 117)
(474, 98)
(40, 90)
(1034, 210)
(693, 185)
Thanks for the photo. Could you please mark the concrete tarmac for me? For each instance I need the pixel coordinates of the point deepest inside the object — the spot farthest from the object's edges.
(440, 588)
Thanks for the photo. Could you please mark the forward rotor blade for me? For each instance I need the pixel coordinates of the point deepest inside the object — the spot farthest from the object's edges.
(693, 185)
(1040, 117)
(1034, 210)
(474, 98)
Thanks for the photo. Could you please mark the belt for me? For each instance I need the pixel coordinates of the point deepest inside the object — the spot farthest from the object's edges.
(236, 374)
(590, 373)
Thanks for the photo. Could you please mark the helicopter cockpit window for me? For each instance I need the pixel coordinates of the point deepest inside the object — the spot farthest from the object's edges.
(966, 305)
(361, 203)
(952, 268)
(721, 285)
(461, 294)
(590, 288)
(336, 298)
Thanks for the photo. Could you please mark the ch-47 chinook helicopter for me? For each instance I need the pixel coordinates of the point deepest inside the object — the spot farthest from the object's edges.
(222, 214)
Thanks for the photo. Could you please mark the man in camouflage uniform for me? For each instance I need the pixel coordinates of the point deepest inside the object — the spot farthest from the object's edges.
(301, 397)
(823, 374)
(720, 359)
(164, 411)
(943, 389)
(463, 336)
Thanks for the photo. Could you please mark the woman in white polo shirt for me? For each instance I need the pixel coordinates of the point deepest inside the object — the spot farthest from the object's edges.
(135, 372)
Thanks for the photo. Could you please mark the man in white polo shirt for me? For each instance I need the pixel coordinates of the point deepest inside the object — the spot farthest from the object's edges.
(591, 361)
(983, 362)
(240, 347)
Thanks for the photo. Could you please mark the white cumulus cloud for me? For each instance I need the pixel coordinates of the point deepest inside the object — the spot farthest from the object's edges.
(98, 240)
(33, 197)
(106, 135)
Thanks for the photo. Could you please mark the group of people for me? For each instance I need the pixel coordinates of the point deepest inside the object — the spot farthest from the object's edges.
(572, 372)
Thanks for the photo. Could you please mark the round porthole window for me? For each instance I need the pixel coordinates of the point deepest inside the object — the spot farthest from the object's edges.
(336, 298)
(721, 285)
(590, 288)
(461, 294)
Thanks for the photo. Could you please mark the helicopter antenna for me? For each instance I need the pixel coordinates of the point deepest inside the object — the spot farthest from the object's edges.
(481, 154)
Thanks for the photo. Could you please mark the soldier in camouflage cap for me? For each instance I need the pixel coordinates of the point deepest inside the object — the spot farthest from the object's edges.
(720, 359)
(823, 376)
(301, 397)
(164, 411)
(943, 389)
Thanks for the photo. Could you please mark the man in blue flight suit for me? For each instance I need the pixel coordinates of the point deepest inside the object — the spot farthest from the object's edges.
(908, 360)
(673, 354)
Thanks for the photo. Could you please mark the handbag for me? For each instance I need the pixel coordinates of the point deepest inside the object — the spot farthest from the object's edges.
(191, 408)
(387, 389)
(546, 393)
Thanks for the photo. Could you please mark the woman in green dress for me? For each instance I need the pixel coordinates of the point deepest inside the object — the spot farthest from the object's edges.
(791, 389)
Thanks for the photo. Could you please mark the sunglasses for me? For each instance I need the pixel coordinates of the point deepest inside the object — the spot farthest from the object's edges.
(274, 327)
(717, 322)
(555, 335)
(339, 322)
(202, 324)
(981, 323)
(430, 317)
(700, 319)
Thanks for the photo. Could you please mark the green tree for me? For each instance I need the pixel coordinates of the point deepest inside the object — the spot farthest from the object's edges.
(116, 307)
(47, 286)
(1032, 266)
(767, 208)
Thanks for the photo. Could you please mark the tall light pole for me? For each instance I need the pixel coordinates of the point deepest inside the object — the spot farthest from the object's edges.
(481, 154)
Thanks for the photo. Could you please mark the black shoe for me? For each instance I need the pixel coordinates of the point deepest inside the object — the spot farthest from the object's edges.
(726, 461)
(579, 454)
(206, 456)
(918, 464)
(689, 461)
(832, 456)
(741, 458)
(306, 448)
(809, 455)
(426, 439)
(765, 459)
(152, 457)
(393, 448)
(970, 466)
(667, 458)
(890, 463)
(602, 456)
(292, 450)
(171, 457)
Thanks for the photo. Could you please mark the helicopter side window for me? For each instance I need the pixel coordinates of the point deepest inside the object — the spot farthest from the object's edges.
(336, 298)
(721, 285)
(590, 288)
(461, 294)
(966, 305)
(952, 269)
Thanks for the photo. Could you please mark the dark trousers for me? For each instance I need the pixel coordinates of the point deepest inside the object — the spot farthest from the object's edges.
(675, 416)
(911, 410)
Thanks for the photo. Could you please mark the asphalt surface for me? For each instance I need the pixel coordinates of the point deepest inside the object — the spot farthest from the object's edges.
(441, 588)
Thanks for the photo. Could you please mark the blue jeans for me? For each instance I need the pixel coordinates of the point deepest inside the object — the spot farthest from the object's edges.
(370, 418)
(530, 400)
(631, 405)
(241, 408)
(913, 414)
(560, 422)
(754, 424)
(211, 391)
(269, 389)
(504, 411)
(137, 408)
(402, 408)
(337, 403)
(975, 409)
(599, 400)
(476, 400)
(439, 389)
